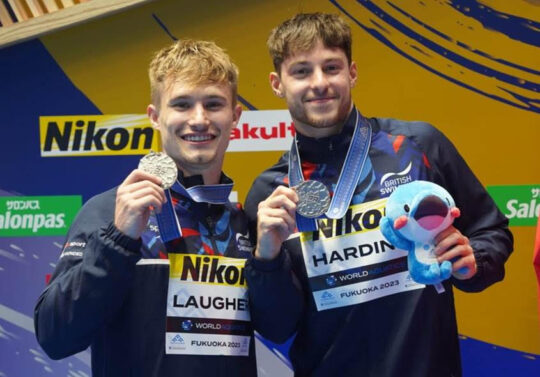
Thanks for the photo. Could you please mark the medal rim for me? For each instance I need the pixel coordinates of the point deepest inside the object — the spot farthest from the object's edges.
(145, 161)
(322, 210)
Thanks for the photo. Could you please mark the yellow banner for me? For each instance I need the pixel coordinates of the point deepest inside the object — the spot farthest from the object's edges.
(359, 218)
(96, 135)
(206, 269)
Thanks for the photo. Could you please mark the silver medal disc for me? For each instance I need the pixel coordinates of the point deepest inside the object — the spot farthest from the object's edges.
(313, 199)
(161, 166)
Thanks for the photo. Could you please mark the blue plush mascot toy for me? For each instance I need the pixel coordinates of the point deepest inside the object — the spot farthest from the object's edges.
(415, 213)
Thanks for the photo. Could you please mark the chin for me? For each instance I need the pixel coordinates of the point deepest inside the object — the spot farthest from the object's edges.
(319, 122)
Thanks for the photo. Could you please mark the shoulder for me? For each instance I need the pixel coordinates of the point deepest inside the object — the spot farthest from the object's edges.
(426, 136)
(104, 201)
(267, 181)
(98, 210)
(415, 129)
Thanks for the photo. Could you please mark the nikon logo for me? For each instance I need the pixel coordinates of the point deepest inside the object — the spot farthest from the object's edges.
(209, 270)
(96, 135)
(354, 221)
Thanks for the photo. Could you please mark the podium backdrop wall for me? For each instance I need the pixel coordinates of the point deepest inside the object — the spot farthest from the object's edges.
(73, 124)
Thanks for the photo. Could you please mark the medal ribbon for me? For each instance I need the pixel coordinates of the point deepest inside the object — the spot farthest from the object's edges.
(349, 176)
(169, 226)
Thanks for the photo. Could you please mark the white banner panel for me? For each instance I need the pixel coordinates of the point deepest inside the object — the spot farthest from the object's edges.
(264, 130)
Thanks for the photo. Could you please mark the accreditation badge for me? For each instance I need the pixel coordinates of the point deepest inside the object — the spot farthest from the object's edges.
(207, 306)
(348, 261)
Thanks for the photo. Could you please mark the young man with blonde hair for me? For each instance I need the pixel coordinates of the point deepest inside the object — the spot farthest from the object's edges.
(326, 273)
(141, 277)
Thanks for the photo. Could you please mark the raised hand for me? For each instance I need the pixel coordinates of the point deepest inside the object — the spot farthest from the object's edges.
(136, 197)
(275, 221)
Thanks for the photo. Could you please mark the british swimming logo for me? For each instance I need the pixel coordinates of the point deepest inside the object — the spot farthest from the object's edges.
(390, 181)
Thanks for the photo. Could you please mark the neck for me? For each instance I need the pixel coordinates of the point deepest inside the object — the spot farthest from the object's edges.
(210, 176)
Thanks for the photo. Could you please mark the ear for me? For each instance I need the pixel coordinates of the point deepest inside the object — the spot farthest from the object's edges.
(353, 74)
(153, 115)
(237, 112)
(275, 83)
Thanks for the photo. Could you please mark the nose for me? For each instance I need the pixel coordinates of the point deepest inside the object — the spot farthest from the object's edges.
(319, 81)
(198, 119)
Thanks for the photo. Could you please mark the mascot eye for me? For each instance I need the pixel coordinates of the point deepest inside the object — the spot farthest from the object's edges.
(406, 208)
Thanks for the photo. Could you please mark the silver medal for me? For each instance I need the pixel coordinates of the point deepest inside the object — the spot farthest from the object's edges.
(160, 165)
(313, 199)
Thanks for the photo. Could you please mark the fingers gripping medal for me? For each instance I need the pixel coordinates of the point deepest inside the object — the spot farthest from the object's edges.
(161, 166)
(313, 199)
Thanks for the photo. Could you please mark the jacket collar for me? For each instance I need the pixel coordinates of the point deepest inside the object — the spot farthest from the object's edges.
(327, 149)
(197, 180)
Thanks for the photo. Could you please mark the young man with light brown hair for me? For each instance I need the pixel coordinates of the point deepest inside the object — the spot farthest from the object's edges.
(327, 274)
(131, 280)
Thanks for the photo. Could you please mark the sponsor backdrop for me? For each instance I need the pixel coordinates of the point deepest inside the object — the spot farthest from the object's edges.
(73, 124)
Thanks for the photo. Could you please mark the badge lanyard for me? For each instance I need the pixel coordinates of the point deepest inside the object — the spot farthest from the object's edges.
(169, 226)
(348, 177)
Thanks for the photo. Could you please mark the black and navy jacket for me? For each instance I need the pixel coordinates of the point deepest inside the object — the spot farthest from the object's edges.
(412, 333)
(109, 291)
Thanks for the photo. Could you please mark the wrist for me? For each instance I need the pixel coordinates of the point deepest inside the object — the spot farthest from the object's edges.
(265, 255)
(122, 239)
(268, 265)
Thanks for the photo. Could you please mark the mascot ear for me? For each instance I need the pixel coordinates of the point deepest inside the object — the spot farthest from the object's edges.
(392, 236)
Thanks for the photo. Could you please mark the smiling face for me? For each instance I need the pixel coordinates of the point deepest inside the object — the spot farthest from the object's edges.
(195, 122)
(317, 87)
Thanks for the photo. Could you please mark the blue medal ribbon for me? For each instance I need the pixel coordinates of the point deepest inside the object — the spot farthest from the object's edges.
(169, 226)
(351, 171)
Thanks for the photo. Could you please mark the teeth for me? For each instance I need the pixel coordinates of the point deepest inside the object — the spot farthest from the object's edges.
(197, 138)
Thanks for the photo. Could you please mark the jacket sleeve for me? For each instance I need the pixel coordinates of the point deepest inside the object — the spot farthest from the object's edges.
(89, 283)
(276, 297)
(480, 220)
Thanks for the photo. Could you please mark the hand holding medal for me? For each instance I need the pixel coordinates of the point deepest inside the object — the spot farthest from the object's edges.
(141, 191)
(276, 216)
(164, 168)
(275, 221)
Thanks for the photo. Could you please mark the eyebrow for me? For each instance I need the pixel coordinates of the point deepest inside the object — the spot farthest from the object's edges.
(187, 97)
(307, 62)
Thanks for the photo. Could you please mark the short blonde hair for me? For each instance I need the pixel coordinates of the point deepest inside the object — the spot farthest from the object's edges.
(301, 33)
(195, 62)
